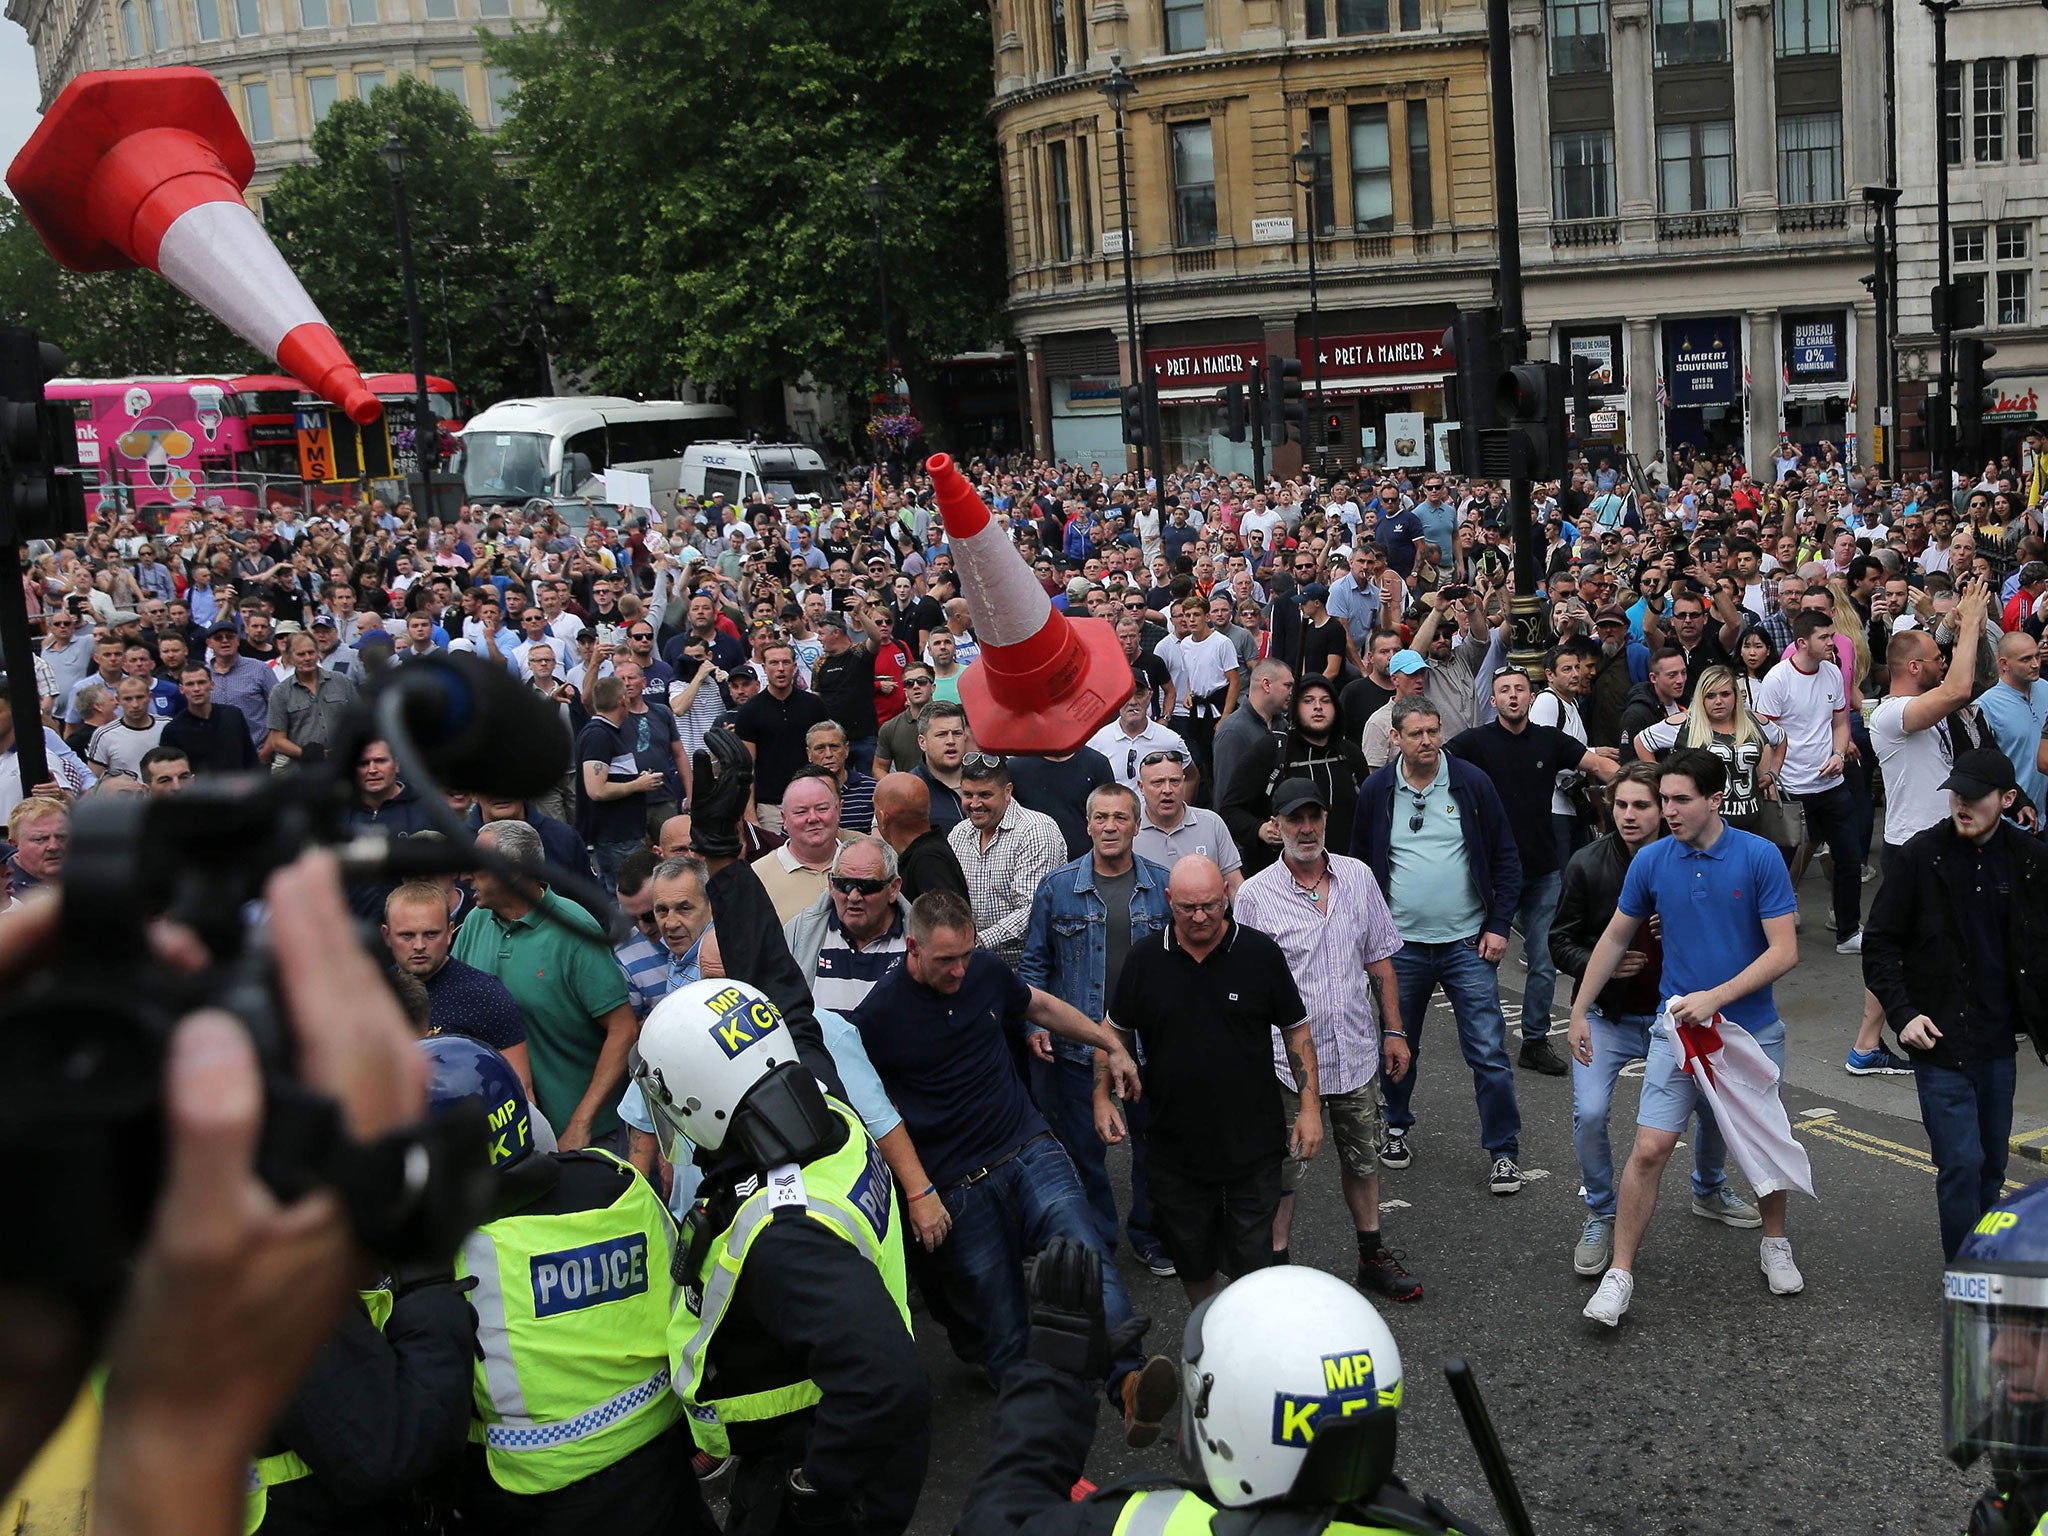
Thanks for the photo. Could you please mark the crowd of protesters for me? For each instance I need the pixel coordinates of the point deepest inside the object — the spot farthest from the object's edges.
(1326, 795)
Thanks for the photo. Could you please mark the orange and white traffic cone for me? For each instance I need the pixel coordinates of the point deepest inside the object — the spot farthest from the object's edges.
(145, 167)
(1045, 683)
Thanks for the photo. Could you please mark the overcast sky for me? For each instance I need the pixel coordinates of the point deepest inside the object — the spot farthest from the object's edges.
(17, 91)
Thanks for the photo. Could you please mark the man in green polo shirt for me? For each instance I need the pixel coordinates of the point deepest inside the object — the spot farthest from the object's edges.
(579, 1026)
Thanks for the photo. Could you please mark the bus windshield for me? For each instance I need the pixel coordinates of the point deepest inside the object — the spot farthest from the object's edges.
(505, 466)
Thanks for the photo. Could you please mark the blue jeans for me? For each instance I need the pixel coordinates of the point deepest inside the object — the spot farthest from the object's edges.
(860, 755)
(1004, 1219)
(1533, 916)
(609, 859)
(1832, 818)
(1619, 1039)
(1968, 1115)
(1473, 988)
(1065, 1094)
(1571, 837)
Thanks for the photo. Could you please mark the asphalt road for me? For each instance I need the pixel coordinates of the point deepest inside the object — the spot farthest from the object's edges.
(1715, 1405)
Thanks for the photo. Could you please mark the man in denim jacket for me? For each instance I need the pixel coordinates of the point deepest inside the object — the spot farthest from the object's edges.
(1085, 918)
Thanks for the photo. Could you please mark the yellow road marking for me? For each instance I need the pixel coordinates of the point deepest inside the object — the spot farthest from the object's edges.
(1877, 1146)
(2033, 1138)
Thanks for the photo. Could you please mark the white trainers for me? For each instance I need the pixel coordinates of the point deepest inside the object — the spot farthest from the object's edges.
(1617, 1286)
(1778, 1268)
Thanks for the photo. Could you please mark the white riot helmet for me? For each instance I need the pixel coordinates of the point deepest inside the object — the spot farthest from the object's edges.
(717, 1064)
(1290, 1389)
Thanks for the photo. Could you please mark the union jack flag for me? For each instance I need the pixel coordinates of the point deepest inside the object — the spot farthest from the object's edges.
(1663, 395)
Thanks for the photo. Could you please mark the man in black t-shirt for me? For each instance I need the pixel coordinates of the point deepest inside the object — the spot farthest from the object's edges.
(1204, 997)
(774, 724)
(1523, 761)
(1322, 637)
(615, 787)
(843, 678)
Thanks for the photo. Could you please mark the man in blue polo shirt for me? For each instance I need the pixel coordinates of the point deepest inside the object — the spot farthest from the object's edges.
(945, 1029)
(1725, 910)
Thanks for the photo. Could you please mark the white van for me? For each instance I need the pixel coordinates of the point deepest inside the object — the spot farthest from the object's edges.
(555, 448)
(784, 472)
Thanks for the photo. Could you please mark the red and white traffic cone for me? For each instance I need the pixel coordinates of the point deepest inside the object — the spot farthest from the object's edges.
(145, 167)
(1044, 683)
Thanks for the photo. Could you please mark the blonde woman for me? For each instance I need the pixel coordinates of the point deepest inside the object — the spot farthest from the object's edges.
(1751, 749)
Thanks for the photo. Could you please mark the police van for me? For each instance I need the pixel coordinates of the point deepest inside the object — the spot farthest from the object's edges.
(556, 449)
(786, 473)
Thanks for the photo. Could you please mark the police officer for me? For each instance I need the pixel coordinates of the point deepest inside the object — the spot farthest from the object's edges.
(791, 1348)
(575, 1429)
(1290, 1394)
(1994, 1384)
(382, 1413)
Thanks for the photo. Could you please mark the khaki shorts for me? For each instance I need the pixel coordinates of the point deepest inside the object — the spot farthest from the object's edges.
(1354, 1122)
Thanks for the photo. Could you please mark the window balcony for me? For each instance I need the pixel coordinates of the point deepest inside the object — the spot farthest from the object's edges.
(1580, 234)
(1798, 217)
(1699, 226)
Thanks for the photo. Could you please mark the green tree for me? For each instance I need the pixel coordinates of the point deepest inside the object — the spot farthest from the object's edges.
(110, 324)
(700, 169)
(335, 220)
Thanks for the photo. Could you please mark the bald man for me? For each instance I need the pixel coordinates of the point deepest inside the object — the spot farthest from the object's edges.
(2016, 709)
(903, 818)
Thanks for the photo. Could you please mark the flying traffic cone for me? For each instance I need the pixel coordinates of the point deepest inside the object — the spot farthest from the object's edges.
(1044, 683)
(145, 167)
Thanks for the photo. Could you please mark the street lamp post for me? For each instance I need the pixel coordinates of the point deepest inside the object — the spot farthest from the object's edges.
(1305, 178)
(1943, 463)
(426, 432)
(1118, 90)
(877, 199)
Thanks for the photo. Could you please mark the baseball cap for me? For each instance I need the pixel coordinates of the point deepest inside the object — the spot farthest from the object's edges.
(1611, 614)
(1315, 592)
(224, 627)
(1292, 795)
(1979, 772)
(1406, 663)
(324, 621)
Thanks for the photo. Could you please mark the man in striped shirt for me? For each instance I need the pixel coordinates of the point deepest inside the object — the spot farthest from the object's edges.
(853, 935)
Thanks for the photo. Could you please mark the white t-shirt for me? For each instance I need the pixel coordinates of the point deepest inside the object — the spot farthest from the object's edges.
(1806, 707)
(1549, 709)
(1915, 764)
(1198, 667)
(121, 746)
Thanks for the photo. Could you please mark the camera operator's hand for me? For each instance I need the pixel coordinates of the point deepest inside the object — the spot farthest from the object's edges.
(721, 774)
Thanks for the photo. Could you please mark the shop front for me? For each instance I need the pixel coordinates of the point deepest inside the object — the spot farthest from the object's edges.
(1190, 420)
(1379, 401)
(1702, 379)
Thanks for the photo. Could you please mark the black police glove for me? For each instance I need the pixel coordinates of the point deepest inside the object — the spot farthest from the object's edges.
(1067, 1330)
(722, 773)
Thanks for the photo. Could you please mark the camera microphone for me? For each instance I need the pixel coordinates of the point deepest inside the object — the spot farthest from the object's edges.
(479, 728)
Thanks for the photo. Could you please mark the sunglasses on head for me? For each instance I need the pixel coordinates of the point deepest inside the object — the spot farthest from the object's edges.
(1165, 755)
(854, 885)
(984, 760)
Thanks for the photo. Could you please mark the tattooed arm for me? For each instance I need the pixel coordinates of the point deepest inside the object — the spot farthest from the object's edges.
(1301, 1061)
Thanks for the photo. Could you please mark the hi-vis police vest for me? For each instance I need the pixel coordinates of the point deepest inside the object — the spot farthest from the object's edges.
(851, 1194)
(1183, 1512)
(572, 1319)
(266, 1472)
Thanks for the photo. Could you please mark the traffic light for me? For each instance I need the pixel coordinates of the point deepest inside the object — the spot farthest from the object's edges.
(1582, 394)
(1473, 342)
(41, 495)
(1934, 434)
(1332, 424)
(1529, 398)
(1284, 410)
(1973, 391)
(1134, 413)
(1231, 398)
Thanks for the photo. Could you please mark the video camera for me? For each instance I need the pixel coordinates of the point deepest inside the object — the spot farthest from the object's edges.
(82, 1043)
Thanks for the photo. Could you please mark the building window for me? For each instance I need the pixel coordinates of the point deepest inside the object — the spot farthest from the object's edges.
(1696, 166)
(1968, 242)
(1807, 27)
(1582, 175)
(1421, 207)
(453, 79)
(440, 10)
(1324, 175)
(131, 29)
(2012, 297)
(208, 13)
(1691, 32)
(321, 91)
(1810, 158)
(1316, 21)
(501, 91)
(1578, 37)
(256, 107)
(248, 18)
(1194, 184)
(313, 13)
(1952, 116)
(367, 82)
(1060, 175)
(2023, 108)
(1987, 110)
(494, 10)
(1187, 27)
(362, 13)
(2012, 242)
(1969, 310)
(159, 24)
(1372, 170)
(1057, 17)
(1356, 17)
(1083, 173)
